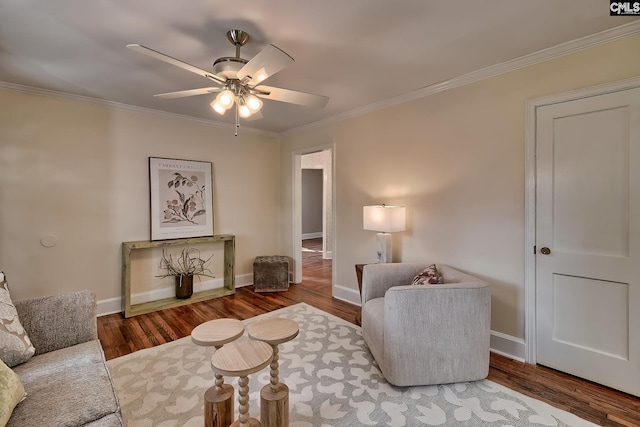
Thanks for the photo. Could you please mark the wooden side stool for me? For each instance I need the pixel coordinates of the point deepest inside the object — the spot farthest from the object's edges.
(239, 359)
(274, 397)
(218, 400)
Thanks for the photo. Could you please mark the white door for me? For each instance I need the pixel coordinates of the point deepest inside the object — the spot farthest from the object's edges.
(588, 238)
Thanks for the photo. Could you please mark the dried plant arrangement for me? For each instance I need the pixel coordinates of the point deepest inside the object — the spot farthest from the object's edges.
(188, 263)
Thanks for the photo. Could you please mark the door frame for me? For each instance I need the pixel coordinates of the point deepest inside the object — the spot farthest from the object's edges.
(296, 224)
(530, 196)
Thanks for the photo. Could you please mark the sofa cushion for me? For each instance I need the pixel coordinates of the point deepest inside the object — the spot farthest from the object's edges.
(429, 276)
(11, 392)
(66, 387)
(15, 346)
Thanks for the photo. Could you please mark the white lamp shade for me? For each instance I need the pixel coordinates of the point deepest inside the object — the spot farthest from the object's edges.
(384, 219)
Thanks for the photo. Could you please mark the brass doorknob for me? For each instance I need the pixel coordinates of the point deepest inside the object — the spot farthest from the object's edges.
(545, 251)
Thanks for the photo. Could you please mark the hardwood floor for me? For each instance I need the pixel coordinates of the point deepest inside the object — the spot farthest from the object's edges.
(119, 336)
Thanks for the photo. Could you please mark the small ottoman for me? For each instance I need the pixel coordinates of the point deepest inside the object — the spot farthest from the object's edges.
(271, 273)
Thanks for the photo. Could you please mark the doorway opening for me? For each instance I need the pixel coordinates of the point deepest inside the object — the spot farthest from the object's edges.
(313, 216)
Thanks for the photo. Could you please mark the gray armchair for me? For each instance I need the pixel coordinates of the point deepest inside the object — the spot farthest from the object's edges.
(427, 334)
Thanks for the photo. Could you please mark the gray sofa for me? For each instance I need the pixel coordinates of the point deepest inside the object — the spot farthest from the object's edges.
(67, 381)
(427, 334)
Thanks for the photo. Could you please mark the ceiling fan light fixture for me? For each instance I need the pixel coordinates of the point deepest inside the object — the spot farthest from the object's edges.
(225, 99)
(254, 103)
(237, 78)
(243, 109)
(218, 108)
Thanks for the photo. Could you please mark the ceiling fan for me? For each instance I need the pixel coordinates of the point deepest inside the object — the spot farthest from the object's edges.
(238, 80)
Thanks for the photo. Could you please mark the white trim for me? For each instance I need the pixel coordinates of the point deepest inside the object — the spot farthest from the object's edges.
(296, 215)
(530, 233)
(530, 195)
(349, 295)
(126, 107)
(109, 306)
(316, 235)
(296, 210)
(114, 305)
(508, 346)
(554, 52)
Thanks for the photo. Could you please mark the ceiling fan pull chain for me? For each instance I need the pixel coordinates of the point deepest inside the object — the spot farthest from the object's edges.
(237, 119)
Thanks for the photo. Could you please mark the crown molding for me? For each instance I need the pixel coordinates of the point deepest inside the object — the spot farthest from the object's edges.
(567, 48)
(125, 107)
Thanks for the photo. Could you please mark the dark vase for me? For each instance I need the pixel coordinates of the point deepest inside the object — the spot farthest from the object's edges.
(184, 286)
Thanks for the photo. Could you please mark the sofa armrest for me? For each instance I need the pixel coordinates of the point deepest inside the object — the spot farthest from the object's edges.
(59, 321)
(378, 278)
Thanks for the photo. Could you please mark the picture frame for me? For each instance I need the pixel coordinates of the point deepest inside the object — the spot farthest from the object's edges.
(181, 198)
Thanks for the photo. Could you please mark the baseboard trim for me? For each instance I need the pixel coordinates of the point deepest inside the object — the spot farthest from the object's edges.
(508, 346)
(114, 305)
(349, 295)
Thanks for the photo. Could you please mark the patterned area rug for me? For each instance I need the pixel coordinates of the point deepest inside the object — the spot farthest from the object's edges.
(333, 381)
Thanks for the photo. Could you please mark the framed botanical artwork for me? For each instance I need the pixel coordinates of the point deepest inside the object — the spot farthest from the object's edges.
(181, 198)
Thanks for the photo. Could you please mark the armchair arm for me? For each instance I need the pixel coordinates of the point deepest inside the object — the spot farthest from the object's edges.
(59, 321)
(452, 321)
(378, 278)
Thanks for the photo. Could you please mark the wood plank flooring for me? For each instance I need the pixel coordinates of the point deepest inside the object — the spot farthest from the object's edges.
(119, 336)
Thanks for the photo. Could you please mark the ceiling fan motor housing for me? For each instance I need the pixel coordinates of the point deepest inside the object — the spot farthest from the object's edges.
(228, 67)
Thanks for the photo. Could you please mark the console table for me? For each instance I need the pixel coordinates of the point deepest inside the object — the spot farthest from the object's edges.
(147, 307)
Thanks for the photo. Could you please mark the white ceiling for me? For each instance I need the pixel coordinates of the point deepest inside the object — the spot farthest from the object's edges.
(356, 52)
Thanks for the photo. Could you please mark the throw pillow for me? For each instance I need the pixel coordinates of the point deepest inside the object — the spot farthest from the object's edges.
(429, 276)
(15, 346)
(11, 392)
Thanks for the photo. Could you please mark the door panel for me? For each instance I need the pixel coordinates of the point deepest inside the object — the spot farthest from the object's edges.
(575, 299)
(588, 215)
(591, 183)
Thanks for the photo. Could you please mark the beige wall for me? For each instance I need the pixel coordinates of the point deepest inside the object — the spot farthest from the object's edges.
(456, 161)
(80, 171)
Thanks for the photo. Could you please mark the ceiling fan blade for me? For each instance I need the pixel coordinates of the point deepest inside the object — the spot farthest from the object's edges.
(266, 63)
(190, 92)
(255, 116)
(173, 61)
(292, 96)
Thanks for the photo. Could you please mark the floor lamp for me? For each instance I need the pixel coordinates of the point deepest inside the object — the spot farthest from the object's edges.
(383, 219)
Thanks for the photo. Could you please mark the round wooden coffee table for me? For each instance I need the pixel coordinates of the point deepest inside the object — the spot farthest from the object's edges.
(218, 400)
(239, 359)
(274, 397)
